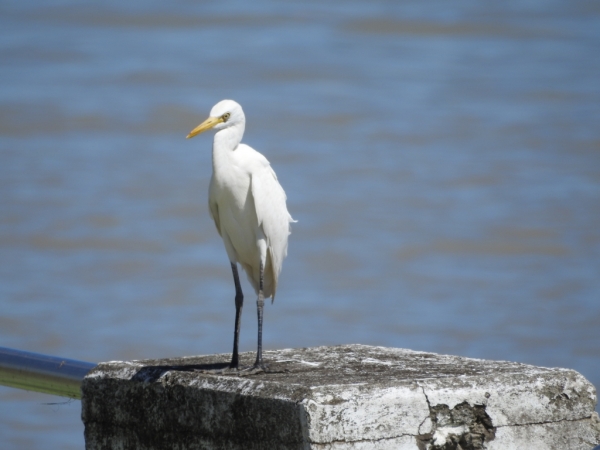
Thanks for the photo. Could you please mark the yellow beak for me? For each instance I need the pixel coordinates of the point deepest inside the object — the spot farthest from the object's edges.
(206, 125)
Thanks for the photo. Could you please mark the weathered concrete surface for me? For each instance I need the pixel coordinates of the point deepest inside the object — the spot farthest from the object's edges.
(345, 397)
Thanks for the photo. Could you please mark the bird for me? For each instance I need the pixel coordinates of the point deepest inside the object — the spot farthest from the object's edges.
(248, 206)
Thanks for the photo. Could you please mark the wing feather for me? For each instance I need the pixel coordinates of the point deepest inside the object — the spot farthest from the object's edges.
(213, 207)
(273, 216)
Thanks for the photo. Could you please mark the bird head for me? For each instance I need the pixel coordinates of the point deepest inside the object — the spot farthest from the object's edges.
(224, 114)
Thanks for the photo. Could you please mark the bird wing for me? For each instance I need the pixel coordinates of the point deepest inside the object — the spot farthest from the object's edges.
(272, 214)
(213, 207)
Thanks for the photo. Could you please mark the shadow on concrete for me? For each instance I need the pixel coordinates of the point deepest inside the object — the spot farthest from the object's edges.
(150, 374)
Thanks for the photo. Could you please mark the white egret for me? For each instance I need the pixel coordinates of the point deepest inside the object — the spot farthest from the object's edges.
(249, 208)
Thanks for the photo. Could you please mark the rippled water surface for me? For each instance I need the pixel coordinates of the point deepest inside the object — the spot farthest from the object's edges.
(443, 164)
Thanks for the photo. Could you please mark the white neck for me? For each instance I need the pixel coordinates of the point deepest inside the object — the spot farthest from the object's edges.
(230, 137)
(225, 142)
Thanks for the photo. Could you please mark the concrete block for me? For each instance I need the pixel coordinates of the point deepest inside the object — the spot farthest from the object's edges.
(336, 398)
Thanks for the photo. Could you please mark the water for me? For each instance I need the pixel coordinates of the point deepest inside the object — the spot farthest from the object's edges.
(443, 165)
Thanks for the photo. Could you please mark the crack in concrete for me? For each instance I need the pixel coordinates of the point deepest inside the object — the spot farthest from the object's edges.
(426, 398)
(427, 417)
(547, 422)
(387, 438)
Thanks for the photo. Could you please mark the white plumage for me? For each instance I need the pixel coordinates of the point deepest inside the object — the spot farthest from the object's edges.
(248, 206)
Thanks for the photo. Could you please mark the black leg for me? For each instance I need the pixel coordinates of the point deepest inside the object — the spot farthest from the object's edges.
(239, 302)
(260, 302)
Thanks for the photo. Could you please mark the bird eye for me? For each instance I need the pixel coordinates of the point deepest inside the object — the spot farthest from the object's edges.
(225, 117)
